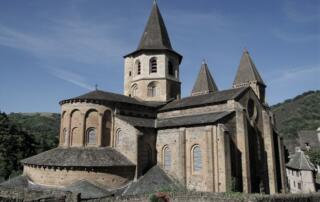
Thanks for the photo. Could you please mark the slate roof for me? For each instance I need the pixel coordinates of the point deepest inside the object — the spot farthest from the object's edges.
(99, 95)
(16, 182)
(154, 180)
(192, 120)
(310, 137)
(155, 35)
(87, 190)
(300, 162)
(204, 83)
(207, 99)
(137, 121)
(247, 71)
(79, 157)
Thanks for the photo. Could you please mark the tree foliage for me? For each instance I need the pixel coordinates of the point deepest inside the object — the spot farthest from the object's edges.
(314, 156)
(15, 145)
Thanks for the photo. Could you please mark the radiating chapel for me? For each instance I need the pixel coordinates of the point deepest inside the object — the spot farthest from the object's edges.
(213, 140)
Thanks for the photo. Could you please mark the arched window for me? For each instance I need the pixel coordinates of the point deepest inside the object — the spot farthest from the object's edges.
(196, 158)
(166, 158)
(153, 89)
(91, 136)
(170, 69)
(153, 65)
(66, 137)
(119, 137)
(138, 67)
(134, 89)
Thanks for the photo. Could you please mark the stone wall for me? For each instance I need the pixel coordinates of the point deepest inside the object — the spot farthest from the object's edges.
(228, 197)
(61, 178)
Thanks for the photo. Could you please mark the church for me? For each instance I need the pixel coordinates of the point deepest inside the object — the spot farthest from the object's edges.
(211, 141)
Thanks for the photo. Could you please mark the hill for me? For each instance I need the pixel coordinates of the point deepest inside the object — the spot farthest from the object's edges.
(299, 113)
(43, 127)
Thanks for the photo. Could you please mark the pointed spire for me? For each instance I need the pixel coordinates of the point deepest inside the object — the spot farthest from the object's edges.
(247, 71)
(155, 35)
(205, 83)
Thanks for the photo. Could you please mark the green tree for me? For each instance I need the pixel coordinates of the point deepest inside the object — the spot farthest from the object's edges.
(14, 146)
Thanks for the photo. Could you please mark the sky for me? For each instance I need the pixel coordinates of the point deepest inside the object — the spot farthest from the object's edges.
(54, 50)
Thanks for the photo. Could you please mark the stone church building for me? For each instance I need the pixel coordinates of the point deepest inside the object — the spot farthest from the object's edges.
(212, 141)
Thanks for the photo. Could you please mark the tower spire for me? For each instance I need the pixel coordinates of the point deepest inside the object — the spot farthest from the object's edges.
(155, 35)
(204, 83)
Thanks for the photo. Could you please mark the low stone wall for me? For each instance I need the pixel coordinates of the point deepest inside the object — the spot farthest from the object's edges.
(218, 197)
(22, 195)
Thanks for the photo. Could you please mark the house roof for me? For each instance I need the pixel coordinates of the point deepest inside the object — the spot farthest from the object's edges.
(207, 99)
(154, 180)
(247, 71)
(87, 190)
(204, 83)
(98, 95)
(300, 161)
(138, 121)
(79, 157)
(192, 120)
(310, 137)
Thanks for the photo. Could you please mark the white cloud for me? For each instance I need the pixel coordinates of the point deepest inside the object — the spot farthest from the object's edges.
(74, 40)
(70, 77)
(294, 74)
(294, 37)
(309, 12)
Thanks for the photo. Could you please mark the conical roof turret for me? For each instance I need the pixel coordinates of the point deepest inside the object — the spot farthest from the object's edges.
(247, 71)
(204, 83)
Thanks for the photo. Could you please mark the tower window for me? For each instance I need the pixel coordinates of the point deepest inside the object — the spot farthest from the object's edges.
(138, 67)
(129, 73)
(134, 90)
(153, 89)
(166, 158)
(196, 158)
(170, 68)
(91, 136)
(153, 65)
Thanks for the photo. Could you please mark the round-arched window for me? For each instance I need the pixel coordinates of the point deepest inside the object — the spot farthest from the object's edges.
(196, 159)
(252, 110)
(153, 89)
(153, 65)
(91, 136)
(166, 158)
(170, 69)
(66, 137)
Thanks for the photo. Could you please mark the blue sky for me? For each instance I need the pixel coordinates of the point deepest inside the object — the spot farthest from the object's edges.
(53, 50)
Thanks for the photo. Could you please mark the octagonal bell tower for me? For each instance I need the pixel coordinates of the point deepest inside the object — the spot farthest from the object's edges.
(151, 73)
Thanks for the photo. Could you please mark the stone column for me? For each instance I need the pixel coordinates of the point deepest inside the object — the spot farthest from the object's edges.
(181, 161)
(224, 159)
(282, 165)
(210, 159)
(269, 147)
(100, 130)
(215, 159)
(83, 129)
(243, 146)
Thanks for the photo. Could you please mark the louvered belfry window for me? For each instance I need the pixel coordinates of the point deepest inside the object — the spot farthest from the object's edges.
(166, 158)
(153, 65)
(197, 162)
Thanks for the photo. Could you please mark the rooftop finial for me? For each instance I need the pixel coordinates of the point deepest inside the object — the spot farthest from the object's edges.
(245, 50)
(96, 86)
(204, 61)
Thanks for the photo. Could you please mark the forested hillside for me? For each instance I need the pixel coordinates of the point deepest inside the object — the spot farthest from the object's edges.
(299, 113)
(43, 127)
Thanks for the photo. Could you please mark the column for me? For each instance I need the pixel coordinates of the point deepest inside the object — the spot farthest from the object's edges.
(210, 159)
(181, 161)
(243, 146)
(83, 129)
(100, 129)
(269, 147)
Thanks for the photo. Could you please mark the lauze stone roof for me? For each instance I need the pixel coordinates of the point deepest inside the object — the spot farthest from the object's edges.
(79, 157)
(300, 162)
